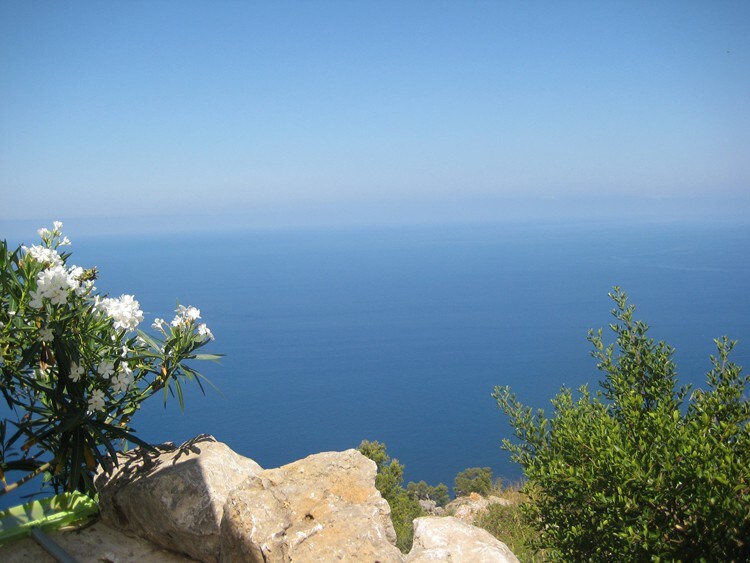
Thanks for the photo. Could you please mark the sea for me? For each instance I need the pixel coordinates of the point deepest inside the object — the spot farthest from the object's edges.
(400, 333)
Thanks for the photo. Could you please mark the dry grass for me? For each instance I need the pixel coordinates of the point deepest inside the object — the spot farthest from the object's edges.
(506, 523)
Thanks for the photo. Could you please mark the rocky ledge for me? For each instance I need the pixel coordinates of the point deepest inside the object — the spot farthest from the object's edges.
(203, 500)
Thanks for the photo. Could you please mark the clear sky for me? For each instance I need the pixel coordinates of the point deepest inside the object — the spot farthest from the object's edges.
(289, 112)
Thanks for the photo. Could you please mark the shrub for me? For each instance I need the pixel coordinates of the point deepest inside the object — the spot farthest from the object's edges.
(74, 369)
(473, 480)
(507, 523)
(403, 512)
(423, 491)
(639, 470)
(389, 479)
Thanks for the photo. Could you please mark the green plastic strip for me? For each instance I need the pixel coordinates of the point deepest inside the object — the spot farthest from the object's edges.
(49, 513)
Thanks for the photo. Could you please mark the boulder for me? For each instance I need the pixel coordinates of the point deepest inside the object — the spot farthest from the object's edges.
(174, 497)
(321, 508)
(431, 508)
(468, 508)
(204, 500)
(450, 539)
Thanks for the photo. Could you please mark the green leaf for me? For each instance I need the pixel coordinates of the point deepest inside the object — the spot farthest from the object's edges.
(210, 357)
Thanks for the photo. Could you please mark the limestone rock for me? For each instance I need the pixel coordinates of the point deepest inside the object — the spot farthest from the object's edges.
(92, 542)
(450, 539)
(431, 508)
(321, 508)
(468, 508)
(175, 498)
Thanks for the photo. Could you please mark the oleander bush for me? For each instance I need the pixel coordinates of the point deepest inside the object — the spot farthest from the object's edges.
(74, 368)
(640, 469)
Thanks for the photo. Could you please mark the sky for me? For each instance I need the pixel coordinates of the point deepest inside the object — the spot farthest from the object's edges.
(162, 113)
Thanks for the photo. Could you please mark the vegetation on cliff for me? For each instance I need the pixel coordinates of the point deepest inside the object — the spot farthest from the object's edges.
(508, 524)
(473, 480)
(75, 368)
(389, 481)
(422, 491)
(640, 469)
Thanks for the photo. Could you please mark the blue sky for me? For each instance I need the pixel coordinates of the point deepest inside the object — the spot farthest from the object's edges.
(270, 113)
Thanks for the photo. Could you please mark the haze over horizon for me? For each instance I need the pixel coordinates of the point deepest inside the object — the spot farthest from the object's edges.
(152, 115)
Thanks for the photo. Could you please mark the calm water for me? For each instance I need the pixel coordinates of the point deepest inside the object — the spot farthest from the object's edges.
(400, 334)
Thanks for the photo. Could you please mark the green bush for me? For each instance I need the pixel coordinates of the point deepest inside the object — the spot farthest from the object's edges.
(473, 480)
(640, 470)
(423, 491)
(74, 368)
(507, 523)
(403, 512)
(389, 480)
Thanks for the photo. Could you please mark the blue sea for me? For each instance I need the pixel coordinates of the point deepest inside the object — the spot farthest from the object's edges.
(399, 334)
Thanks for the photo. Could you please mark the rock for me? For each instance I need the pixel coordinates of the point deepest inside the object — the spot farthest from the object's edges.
(92, 542)
(468, 508)
(431, 508)
(428, 505)
(450, 539)
(174, 498)
(322, 508)
(206, 501)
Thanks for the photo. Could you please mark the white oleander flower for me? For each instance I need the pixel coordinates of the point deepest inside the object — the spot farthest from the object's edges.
(44, 232)
(157, 324)
(203, 330)
(96, 400)
(189, 312)
(36, 300)
(106, 369)
(76, 372)
(54, 284)
(124, 311)
(185, 315)
(123, 380)
(57, 225)
(85, 288)
(46, 334)
(43, 254)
